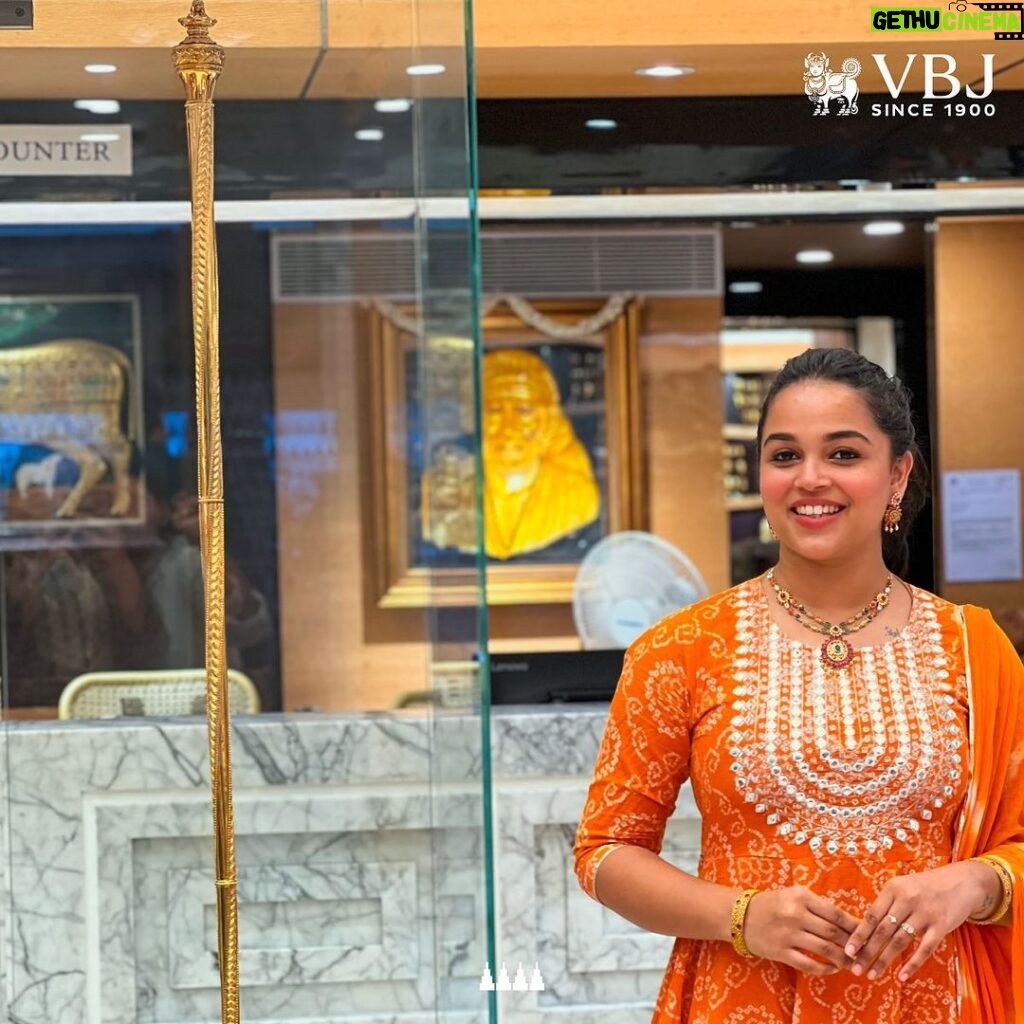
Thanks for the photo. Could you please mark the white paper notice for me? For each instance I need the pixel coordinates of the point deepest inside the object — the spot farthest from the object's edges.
(981, 525)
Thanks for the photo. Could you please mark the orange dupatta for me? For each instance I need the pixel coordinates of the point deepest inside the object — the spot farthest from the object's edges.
(991, 957)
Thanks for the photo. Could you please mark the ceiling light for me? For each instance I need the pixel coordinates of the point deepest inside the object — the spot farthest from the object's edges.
(98, 106)
(602, 124)
(370, 134)
(666, 70)
(745, 287)
(883, 227)
(814, 256)
(101, 69)
(99, 136)
(392, 106)
(425, 69)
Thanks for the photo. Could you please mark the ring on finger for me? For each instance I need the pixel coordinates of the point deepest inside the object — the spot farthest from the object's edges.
(909, 928)
(891, 919)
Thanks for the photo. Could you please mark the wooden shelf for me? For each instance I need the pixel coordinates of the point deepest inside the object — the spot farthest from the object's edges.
(739, 431)
(744, 504)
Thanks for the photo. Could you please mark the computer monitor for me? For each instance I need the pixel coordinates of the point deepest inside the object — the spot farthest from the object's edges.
(554, 677)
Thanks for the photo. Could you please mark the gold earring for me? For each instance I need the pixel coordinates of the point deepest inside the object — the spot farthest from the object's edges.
(772, 533)
(893, 514)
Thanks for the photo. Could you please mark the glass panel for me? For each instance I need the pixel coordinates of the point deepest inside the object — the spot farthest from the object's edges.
(448, 535)
(348, 304)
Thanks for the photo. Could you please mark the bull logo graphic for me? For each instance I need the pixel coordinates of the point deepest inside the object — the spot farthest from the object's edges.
(822, 85)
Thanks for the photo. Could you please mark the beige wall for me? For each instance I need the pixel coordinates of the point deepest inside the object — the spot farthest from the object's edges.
(333, 654)
(681, 406)
(979, 363)
(340, 650)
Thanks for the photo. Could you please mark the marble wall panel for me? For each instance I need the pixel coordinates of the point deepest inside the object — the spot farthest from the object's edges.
(361, 873)
(105, 817)
(589, 957)
(338, 907)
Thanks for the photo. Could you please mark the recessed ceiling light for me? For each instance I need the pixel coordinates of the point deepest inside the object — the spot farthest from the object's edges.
(99, 136)
(98, 106)
(101, 69)
(814, 256)
(745, 287)
(425, 69)
(392, 106)
(602, 124)
(883, 227)
(370, 134)
(666, 70)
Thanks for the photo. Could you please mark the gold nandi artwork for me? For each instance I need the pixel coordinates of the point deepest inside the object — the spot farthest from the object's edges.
(822, 85)
(68, 422)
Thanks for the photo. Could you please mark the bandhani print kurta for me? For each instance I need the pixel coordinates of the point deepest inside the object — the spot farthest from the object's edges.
(835, 781)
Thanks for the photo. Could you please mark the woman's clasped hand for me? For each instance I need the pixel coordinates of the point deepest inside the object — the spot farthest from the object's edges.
(912, 915)
(791, 924)
(920, 908)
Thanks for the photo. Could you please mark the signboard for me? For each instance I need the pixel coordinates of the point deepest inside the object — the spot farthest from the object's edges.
(63, 150)
(981, 525)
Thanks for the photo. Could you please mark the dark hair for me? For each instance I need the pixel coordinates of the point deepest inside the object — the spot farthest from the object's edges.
(889, 401)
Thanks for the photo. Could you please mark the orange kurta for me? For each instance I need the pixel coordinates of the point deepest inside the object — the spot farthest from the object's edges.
(833, 781)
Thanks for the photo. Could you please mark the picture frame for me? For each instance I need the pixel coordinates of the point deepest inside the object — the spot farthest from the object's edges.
(71, 438)
(416, 412)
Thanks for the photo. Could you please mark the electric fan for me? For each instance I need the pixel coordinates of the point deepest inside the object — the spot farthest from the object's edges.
(627, 582)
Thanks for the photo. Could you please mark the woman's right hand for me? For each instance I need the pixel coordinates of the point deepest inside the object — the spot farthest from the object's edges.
(799, 928)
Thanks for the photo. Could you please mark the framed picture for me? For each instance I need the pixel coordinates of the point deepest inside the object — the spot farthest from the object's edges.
(70, 418)
(559, 462)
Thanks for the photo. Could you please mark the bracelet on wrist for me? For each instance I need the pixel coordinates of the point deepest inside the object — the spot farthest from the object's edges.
(1006, 880)
(738, 920)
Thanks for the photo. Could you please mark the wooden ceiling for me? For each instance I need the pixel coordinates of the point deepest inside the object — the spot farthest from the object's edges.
(319, 49)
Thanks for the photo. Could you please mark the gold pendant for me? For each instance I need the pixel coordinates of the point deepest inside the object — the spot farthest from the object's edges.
(836, 653)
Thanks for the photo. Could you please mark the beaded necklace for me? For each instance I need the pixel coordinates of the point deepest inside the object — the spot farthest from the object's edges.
(836, 652)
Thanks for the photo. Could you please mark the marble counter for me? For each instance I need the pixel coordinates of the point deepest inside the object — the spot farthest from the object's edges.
(361, 872)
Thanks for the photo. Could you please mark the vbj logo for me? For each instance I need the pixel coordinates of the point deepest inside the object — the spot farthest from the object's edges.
(933, 73)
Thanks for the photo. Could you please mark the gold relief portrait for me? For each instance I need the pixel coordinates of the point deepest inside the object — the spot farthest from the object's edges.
(538, 481)
(448, 500)
(557, 452)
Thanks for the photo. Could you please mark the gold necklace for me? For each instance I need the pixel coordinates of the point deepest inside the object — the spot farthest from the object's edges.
(836, 652)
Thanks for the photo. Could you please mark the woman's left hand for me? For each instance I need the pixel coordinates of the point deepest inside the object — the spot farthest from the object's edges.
(922, 908)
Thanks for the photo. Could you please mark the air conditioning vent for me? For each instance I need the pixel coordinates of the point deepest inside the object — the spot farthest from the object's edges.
(342, 266)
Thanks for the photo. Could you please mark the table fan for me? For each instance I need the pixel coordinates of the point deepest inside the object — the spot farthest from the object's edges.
(627, 582)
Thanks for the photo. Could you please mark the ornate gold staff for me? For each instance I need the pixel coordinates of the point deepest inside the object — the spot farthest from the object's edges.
(199, 62)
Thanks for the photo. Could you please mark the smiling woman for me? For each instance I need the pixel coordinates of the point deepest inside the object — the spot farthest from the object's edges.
(835, 429)
(854, 835)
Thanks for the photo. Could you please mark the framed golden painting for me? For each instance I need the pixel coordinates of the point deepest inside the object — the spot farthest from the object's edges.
(71, 440)
(557, 459)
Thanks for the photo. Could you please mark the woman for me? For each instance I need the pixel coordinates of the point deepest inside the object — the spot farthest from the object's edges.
(855, 747)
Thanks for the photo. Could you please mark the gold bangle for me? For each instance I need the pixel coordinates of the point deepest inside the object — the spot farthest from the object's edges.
(738, 920)
(1006, 880)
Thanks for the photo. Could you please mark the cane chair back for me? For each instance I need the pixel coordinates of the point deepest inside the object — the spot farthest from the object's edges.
(151, 693)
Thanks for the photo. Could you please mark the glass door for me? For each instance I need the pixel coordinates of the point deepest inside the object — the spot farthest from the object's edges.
(355, 615)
